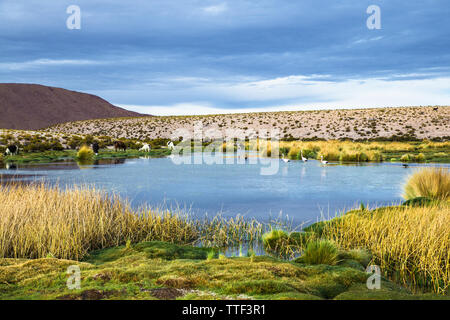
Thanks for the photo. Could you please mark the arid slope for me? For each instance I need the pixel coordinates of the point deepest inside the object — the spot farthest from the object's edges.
(32, 107)
(419, 122)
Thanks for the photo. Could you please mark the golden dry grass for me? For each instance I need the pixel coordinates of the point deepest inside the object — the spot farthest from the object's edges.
(38, 221)
(432, 183)
(335, 150)
(410, 244)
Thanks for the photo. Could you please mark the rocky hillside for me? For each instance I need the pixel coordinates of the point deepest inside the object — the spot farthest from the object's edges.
(402, 122)
(32, 107)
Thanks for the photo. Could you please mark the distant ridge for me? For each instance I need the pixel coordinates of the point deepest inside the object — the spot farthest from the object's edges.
(33, 106)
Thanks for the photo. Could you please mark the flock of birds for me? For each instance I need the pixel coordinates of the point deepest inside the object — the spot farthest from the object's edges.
(304, 159)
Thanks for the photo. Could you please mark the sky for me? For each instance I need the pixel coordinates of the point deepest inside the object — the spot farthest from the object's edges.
(167, 57)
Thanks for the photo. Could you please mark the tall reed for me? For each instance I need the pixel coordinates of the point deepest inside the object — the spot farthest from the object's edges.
(38, 220)
(410, 244)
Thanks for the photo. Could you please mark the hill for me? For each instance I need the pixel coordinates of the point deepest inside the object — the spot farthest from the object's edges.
(32, 106)
(401, 123)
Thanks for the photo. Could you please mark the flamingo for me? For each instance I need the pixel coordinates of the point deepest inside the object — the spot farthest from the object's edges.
(239, 153)
(323, 161)
(303, 158)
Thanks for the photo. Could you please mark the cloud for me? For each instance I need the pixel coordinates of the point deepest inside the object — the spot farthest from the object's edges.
(306, 94)
(368, 40)
(216, 9)
(267, 53)
(46, 63)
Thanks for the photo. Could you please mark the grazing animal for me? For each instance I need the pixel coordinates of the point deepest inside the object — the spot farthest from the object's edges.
(435, 108)
(170, 145)
(303, 158)
(95, 148)
(11, 149)
(10, 166)
(323, 161)
(145, 148)
(120, 145)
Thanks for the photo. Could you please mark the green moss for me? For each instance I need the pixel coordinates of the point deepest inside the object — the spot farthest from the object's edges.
(257, 287)
(418, 202)
(273, 238)
(151, 250)
(361, 256)
(317, 228)
(293, 296)
(152, 270)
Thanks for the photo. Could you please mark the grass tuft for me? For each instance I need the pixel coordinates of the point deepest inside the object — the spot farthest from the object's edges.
(320, 252)
(431, 183)
(410, 244)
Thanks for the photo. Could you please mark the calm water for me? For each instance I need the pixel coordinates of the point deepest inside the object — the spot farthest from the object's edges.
(303, 191)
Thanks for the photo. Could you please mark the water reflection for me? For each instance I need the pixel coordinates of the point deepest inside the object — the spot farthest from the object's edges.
(299, 189)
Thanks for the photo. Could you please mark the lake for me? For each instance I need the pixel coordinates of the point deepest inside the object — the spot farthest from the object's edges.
(302, 191)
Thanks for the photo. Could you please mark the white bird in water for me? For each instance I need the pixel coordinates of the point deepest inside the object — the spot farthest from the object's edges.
(323, 161)
(303, 158)
(285, 160)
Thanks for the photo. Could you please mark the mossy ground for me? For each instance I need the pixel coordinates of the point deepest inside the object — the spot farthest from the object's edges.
(152, 270)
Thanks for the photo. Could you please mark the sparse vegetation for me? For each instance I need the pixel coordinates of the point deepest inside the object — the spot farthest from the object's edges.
(388, 124)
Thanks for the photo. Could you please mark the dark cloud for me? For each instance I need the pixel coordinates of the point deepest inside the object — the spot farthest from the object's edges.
(140, 46)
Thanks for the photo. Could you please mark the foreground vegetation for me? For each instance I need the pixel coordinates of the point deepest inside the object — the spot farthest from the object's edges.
(160, 270)
(70, 223)
(148, 253)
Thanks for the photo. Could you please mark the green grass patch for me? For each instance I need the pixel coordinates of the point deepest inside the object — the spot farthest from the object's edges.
(159, 270)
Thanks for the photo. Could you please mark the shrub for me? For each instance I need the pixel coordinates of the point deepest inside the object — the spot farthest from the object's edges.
(405, 158)
(75, 142)
(440, 155)
(431, 183)
(320, 252)
(421, 157)
(293, 153)
(310, 154)
(274, 238)
(85, 153)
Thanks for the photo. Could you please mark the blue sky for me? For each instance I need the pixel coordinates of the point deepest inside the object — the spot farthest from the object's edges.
(211, 56)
